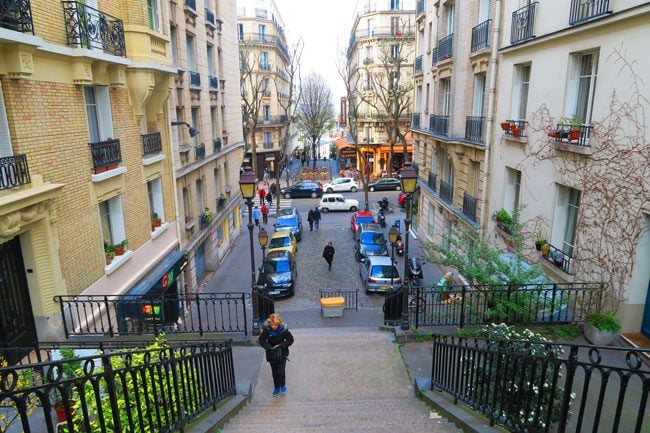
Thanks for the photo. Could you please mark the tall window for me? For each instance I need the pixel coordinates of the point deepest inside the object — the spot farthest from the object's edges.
(264, 60)
(191, 53)
(483, 10)
(521, 85)
(187, 209)
(394, 52)
(446, 95)
(174, 43)
(394, 25)
(430, 38)
(261, 30)
(98, 111)
(200, 204)
(582, 84)
(112, 220)
(369, 134)
(217, 183)
(370, 26)
(565, 218)
(266, 110)
(267, 140)
(240, 32)
(214, 120)
(511, 190)
(196, 122)
(474, 178)
(154, 190)
(5, 137)
(210, 52)
(369, 52)
(479, 93)
(451, 10)
(447, 169)
(394, 5)
(153, 10)
(426, 100)
(179, 130)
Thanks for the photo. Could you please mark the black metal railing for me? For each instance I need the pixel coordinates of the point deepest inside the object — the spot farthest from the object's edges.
(209, 17)
(415, 121)
(522, 27)
(446, 191)
(439, 125)
(265, 67)
(204, 221)
(474, 129)
(105, 153)
(16, 15)
(191, 4)
(434, 56)
(151, 143)
(14, 171)
(469, 206)
(418, 64)
(265, 305)
(214, 82)
(383, 31)
(272, 120)
(512, 304)
(481, 36)
(393, 307)
(559, 258)
(419, 8)
(351, 297)
(582, 10)
(195, 79)
(446, 48)
(137, 389)
(515, 128)
(149, 314)
(199, 151)
(87, 27)
(431, 181)
(538, 386)
(576, 135)
(217, 145)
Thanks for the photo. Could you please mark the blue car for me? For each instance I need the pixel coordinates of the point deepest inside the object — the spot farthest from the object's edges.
(291, 223)
(370, 242)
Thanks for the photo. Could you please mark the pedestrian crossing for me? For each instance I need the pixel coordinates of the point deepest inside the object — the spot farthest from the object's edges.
(285, 203)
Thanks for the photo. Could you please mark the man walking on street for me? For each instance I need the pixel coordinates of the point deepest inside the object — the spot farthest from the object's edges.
(265, 214)
(261, 194)
(316, 217)
(310, 219)
(256, 216)
(328, 255)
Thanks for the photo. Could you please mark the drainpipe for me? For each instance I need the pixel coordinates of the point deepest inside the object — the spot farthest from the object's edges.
(490, 114)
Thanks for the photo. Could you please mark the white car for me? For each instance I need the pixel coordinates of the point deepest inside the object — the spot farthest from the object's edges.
(341, 184)
(331, 202)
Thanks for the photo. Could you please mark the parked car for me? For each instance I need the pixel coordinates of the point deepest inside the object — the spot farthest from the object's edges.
(278, 273)
(360, 217)
(385, 184)
(290, 223)
(289, 211)
(337, 202)
(283, 240)
(341, 184)
(370, 241)
(379, 274)
(302, 189)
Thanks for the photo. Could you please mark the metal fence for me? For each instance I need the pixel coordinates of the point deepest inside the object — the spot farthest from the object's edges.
(351, 297)
(529, 386)
(154, 389)
(14, 171)
(90, 28)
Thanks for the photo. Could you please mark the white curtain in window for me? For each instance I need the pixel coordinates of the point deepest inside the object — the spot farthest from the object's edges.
(478, 96)
(5, 137)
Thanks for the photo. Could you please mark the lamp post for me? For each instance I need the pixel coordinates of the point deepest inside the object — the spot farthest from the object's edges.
(392, 238)
(247, 185)
(409, 180)
(263, 237)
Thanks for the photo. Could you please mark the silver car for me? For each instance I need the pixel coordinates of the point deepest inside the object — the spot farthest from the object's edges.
(379, 274)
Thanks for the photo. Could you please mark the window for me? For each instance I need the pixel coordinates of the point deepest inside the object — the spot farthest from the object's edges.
(369, 52)
(430, 36)
(264, 60)
(434, 161)
(370, 27)
(368, 134)
(112, 220)
(265, 87)
(261, 32)
(261, 13)
(210, 52)
(394, 52)
(191, 53)
(582, 83)
(450, 19)
(217, 183)
(511, 190)
(196, 122)
(446, 95)
(475, 178)
(240, 32)
(565, 217)
(447, 169)
(187, 209)
(479, 92)
(266, 110)
(5, 137)
(200, 204)
(98, 110)
(214, 120)
(394, 5)
(483, 10)
(521, 85)
(174, 43)
(154, 190)
(267, 140)
(153, 10)
(426, 100)
(179, 130)
(394, 26)
(431, 220)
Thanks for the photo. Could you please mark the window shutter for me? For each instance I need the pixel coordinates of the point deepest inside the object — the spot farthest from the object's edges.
(104, 113)
(5, 137)
(560, 215)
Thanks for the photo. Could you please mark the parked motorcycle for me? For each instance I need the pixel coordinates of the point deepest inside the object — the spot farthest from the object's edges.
(381, 218)
(415, 272)
(399, 246)
(383, 204)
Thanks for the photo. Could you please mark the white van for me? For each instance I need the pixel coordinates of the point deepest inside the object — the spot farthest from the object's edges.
(331, 202)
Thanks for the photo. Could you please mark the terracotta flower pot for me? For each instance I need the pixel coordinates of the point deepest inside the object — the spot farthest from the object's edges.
(516, 132)
(574, 134)
(505, 126)
(119, 250)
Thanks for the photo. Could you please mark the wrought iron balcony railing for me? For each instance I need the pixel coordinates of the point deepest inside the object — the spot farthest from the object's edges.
(209, 17)
(272, 120)
(516, 128)
(576, 135)
(446, 48)
(268, 145)
(214, 82)
(469, 206)
(90, 28)
(199, 151)
(14, 171)
(151, 143)
(191, 4)
(385, 31)
(16, 15)
(559, 258)
(105, 153)
(415, 122)
(265, 67)
(195, 79)
(431, 182)
(446, 191)
(523, 24)
(481, 36)
(418, 64)
(217, 145)
(438, 125)
(582, 10)
(434, 56)
(474, 129)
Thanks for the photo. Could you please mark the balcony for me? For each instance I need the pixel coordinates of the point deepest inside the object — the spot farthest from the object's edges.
(418, 64)
(266, 93)
(16, 15)
(446, 191)
(199, 151)
(568, 134)
(516, 128)
(474, 129)
(420, 8)
(558, 258)
(272, 120)
(265, 67)
(90, 28)
(105, 154)
(214, 82)
(582, 10)
(431, 182)
(151, 143)
(445, 48)
(434, 56)
(523, 23)
(383, 32)
(217, 145)
(195, 79)
(268, 145)
(438, 125)
(14, 171)
(481, 36)
(209, 17)
(415, 122)
(469, 206)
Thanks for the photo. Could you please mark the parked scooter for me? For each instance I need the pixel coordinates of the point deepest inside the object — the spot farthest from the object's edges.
(381, 218)
(399, 246)
(415, 272)
(383, 205)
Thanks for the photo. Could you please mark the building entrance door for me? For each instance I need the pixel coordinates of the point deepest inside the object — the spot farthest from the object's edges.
(17, 326)
(645, 325)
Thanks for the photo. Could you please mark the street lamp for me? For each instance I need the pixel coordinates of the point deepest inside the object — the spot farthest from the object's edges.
(263, 237)
(392, 238)
(409, 179)
(247, 184)
(193, 131)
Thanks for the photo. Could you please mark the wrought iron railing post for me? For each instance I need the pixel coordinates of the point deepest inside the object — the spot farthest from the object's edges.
(65, 323)
(571, 366)
(111, 391)
(108, 315)
(462, 306)
(198, 313)
(498, 353)
(243, 302)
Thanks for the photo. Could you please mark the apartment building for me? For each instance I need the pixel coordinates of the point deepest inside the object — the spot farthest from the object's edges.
(207, 136)
(573, 151)
(381, 53)
(86, 189)
(263, 55)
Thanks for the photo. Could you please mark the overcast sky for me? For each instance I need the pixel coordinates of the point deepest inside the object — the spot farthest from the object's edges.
(325, 28)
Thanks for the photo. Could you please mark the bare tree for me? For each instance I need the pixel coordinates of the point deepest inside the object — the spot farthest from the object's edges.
(315, 108)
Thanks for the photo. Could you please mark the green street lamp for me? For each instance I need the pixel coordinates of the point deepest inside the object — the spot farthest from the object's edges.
(409, 180)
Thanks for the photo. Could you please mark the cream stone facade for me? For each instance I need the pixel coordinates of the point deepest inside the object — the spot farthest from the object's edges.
(262, 43)
(85, 157)
(206, 96)
(587, 194)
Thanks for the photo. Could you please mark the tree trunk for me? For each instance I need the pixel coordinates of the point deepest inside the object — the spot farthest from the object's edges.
(254, 151)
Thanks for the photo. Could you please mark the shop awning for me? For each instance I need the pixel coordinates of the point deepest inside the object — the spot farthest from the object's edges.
(342, 143)
(163, 275)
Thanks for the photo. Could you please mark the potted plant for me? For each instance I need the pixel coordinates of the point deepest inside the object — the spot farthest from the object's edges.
(221, 200)
(601, 328)
(546, 248)
(505, 125)
(156, 220)
(540, 239)
(121, 247)
(516, 131)
(109, 257)
(208, 215)
(68, 370)
(574, 122)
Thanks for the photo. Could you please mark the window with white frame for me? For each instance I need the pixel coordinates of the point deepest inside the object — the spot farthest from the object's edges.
(264, 60)
(174, 43)
(451, 10)
(267, 140)
(479, 94)
(370, 26)
(520, 88)
(154, 191)
(446, 95)
(434, 160)
(565, 218)
(266, 89)
(240, 32)
(214, 121)
(191, 53)
(394, 26)
(111, 218)
(98, 111)
(261, 32)
(266, 112)
(217, 183)
(511, 190)
(483, 10)
(210, 53)
(5, 137)
(200, 203)
(153, 11)
(583, 69)
(368, 52)
(431, 220)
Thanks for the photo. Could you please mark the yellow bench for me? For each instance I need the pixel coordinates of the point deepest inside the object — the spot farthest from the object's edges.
(332, 307)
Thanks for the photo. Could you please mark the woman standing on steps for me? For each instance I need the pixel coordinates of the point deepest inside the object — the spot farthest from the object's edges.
(276, 335)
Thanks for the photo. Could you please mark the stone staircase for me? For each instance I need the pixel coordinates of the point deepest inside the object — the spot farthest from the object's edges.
(339, 380)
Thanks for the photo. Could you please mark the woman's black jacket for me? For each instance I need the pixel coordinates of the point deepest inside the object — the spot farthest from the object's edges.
(268, 339)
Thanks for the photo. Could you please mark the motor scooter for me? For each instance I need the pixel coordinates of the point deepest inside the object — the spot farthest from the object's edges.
(399, 246)
(383, 204)
(415, 272)
(381, 218)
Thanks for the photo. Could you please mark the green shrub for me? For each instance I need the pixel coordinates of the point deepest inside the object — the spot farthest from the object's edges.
(602, 321)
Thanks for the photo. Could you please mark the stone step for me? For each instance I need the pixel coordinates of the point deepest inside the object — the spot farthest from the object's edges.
(398, 426)
(339, 406)
(337, 416)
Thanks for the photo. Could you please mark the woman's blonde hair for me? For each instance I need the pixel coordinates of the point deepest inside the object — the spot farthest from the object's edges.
(275, 318)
